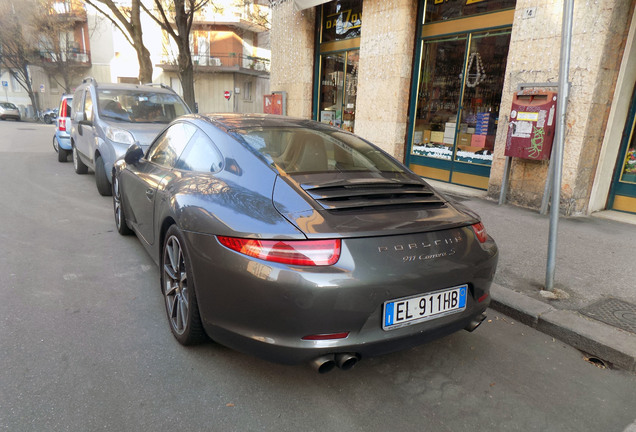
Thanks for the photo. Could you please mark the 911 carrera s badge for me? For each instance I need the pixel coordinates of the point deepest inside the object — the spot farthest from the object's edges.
(447, 241)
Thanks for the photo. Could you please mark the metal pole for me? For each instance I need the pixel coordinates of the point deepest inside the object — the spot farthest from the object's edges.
(564, 67)
(503, 194)
(548, 186)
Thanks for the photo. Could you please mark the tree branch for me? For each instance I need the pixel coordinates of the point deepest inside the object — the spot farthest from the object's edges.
(125, 32)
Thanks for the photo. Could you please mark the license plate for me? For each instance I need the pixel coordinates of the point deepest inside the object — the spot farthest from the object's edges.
(424, 307)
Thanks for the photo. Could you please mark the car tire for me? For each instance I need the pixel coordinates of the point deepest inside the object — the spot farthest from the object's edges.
(177, 287)
(118, 209)
(79, 166)
(47, 119)
(101, 180)
(62, 155)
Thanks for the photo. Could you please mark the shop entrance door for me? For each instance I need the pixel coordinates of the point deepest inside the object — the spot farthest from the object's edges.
(339, 88)
(623, 191)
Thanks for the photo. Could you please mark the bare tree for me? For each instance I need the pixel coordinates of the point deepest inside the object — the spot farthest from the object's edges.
(58, 55)
(175, 17)
(128, 21)
(17, 46)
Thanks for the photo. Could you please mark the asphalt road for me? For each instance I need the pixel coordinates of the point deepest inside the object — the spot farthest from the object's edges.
(86, 345)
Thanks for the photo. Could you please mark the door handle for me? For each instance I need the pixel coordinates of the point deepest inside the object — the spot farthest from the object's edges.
(150, 193)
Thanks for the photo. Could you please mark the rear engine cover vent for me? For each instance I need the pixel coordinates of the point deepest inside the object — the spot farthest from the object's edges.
(374, 195)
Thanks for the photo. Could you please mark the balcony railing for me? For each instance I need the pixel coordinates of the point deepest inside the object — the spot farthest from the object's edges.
(228, 61)
(80, 57)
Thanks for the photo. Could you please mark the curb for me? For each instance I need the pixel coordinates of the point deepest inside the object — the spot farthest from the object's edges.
(593, 337)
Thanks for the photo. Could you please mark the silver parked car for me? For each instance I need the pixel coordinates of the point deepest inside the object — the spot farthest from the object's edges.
(298, 242)
(108, 118)
(9, 110)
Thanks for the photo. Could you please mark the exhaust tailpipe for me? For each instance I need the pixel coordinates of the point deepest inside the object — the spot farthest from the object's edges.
(346, 361)
(324, 364)
(475, 323)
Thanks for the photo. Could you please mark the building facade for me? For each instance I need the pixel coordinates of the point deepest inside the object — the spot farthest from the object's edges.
(229, 45)
(433, 82)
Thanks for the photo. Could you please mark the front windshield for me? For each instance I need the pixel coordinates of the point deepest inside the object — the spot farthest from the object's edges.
(296, 150)
(8, 105)
(139, 106)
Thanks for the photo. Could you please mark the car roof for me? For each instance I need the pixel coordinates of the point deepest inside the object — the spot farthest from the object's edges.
(229, 121)
(122, 86)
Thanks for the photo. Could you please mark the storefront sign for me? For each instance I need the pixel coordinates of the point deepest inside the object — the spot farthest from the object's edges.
(341, 20)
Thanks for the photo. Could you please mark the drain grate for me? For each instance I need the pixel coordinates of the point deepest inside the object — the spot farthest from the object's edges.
(614, 312)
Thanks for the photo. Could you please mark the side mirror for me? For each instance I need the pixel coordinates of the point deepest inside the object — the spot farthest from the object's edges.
(81, 119)
(133, 154)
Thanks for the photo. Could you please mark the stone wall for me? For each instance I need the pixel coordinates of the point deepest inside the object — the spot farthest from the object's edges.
(292, 43)
(386, 62)
(598, 37)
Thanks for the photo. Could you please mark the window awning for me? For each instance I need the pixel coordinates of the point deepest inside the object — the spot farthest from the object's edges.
(306, 4)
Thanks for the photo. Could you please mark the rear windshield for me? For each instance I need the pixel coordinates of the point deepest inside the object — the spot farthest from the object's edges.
(300, 150)
(8, 105)
(138, 106)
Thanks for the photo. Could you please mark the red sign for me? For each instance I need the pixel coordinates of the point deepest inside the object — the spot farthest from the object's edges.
(273, 104)
(227, 95)
(532, 125)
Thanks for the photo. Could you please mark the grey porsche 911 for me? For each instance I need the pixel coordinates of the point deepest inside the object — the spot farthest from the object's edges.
(298, 242)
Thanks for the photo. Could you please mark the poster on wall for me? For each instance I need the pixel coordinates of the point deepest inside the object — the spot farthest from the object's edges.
(326, 117)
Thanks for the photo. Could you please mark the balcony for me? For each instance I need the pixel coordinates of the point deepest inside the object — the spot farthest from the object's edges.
(228, 62)
(73, 56)
(252, 17)
(72, 10)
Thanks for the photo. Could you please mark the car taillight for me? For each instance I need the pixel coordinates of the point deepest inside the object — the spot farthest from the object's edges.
(64, 109)
(480, 232)
(326, 336)
(292, 252)
(62, 125)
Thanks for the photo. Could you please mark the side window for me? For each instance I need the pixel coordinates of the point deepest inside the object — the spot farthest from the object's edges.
(200, 155)
(77, 102)
(88, 106)
(167, 148)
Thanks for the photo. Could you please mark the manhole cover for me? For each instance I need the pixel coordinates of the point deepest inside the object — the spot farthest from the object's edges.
(614, 312)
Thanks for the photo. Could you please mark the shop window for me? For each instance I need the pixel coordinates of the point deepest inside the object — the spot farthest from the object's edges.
(443, 10)
(628, 174)
(338, 89)
(341, 20)
(459, 94)
(485, 71)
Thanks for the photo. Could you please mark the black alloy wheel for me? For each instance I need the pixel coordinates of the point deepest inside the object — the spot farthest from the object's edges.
(178, 290)
(120, 215)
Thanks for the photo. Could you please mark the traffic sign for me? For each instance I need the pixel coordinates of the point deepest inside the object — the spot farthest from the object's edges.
(5, 83)
(227, 94)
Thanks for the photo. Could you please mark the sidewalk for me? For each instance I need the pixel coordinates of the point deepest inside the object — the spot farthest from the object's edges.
(593, 305)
